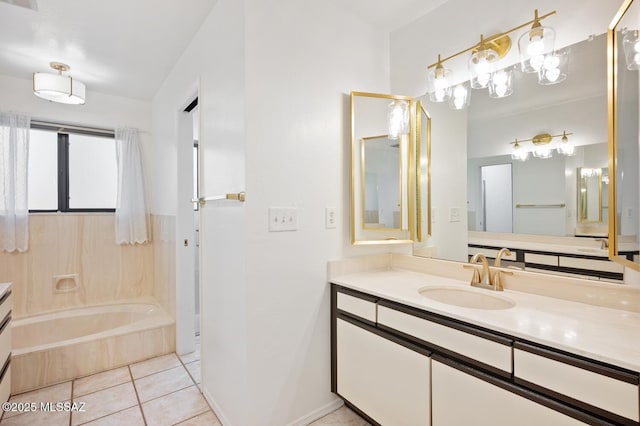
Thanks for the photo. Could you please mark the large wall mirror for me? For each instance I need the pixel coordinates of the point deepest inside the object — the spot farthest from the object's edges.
(624, 45)
(552, 201)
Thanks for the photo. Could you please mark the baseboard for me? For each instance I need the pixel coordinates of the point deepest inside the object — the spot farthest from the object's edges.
(317, 414)
(216, 409)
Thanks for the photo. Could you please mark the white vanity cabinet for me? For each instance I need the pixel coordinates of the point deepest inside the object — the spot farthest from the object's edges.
(462, 396)
(379, 375)
(400, 365)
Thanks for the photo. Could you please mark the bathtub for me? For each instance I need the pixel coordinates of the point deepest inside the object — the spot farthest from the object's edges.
(61, 346)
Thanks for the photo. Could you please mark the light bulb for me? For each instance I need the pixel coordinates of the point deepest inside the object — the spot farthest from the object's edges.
(636, 46)
(536, 62)
(459, 92)
(500, 78)
(458, 102)
(501, 90)
(551, 61)
(636, 58)
(536, 46)
(483, 79)
(552, 74)
(440, 94)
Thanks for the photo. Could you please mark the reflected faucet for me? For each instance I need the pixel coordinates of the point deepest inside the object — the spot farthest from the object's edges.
(604, 243)
(502, 252)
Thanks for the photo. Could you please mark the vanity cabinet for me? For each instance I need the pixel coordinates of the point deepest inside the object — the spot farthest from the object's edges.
(382, 377)
(400, 365)
(5, 345)
(463, 396)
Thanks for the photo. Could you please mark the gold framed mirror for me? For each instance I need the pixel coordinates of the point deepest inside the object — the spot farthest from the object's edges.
(623, 45)
(423, 177)
(383, 158)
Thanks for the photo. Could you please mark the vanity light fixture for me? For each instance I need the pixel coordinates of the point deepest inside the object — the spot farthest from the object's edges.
(535, 47)
(542, 146)
(631, 46)
(398, 118)
(565, 147)
(535, 44)
(438, 82)
(57, 87)
(460, 96)
(554, 67)
(481, 64)
(519, 153)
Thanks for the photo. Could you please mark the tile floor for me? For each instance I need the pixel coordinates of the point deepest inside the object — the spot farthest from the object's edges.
(156, 392)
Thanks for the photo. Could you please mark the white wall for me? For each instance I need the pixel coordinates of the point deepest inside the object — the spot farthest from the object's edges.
(275, 78)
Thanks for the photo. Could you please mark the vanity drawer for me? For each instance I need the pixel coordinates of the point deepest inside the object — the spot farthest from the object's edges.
(588, 385)
(5, 379)
(358, 306)
(5, 305)
(5, 337)
(475, 346)
(591, 264)
(541, 259)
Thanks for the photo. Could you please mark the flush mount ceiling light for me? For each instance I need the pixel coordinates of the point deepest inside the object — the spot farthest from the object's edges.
(536, 50)
(57, 87)
(542, 146)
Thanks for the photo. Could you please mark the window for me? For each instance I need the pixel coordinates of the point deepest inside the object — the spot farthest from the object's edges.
(71, 172)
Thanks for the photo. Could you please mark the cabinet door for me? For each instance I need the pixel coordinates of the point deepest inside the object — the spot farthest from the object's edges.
(387, 381)
(460, 399)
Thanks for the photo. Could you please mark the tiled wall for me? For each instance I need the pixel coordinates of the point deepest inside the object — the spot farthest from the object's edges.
(84, 244)
(164, 255)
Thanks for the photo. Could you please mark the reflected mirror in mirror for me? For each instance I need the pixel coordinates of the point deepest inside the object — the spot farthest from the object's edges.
(382, 195)
(382, 175)
(592, 193)
(624, 135)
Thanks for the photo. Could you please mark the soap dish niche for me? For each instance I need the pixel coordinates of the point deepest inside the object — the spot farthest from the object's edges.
(65, 283)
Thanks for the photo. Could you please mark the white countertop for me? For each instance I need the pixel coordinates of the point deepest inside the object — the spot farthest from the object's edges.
(604, 334)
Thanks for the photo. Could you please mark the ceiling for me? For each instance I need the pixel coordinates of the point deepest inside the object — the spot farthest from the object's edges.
(119, 47)
(389, 14)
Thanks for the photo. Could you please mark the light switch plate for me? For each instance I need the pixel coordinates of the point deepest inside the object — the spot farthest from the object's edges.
(454, 214)
(283, 219)
(330, 217)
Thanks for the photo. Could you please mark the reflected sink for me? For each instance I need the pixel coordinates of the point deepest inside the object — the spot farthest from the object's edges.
(467, 298)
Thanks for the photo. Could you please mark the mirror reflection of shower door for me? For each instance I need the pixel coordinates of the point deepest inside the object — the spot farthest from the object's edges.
(497, 198)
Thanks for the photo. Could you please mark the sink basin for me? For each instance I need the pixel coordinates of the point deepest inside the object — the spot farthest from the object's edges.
(467, 298)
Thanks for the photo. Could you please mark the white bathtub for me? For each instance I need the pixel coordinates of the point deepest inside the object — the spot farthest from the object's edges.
(60, 346)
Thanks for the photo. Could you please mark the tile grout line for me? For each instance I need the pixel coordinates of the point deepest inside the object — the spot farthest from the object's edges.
(135, 389)
(73, 383)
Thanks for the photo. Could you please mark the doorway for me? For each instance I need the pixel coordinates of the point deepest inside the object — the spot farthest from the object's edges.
(497, 198)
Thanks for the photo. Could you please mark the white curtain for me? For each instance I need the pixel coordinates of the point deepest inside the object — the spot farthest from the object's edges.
(131, 208)
(14, 202)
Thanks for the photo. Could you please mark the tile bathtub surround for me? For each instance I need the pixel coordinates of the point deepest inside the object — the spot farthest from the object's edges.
(83, 244)
(160, 392)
